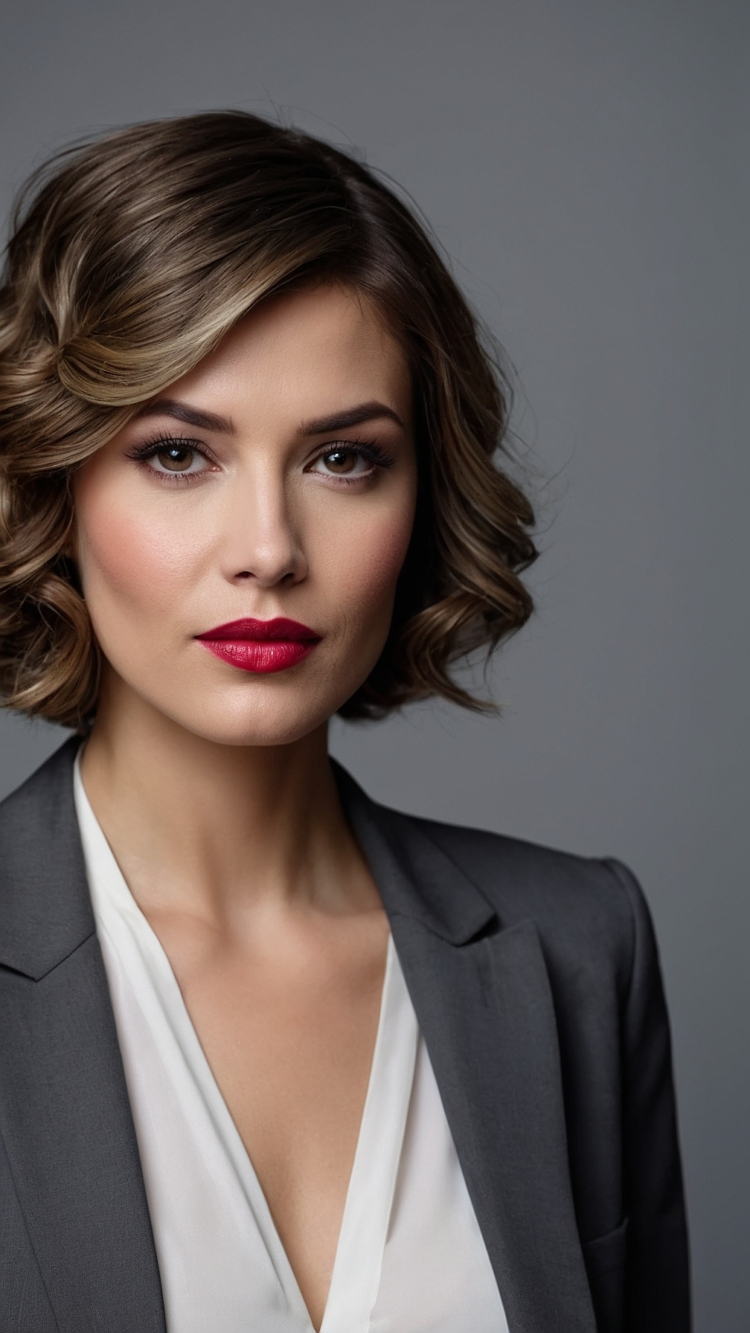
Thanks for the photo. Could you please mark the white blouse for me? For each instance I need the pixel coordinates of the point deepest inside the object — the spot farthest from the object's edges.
(410, 1256)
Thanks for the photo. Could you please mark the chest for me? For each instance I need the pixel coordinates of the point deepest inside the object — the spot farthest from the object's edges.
(289, 1035)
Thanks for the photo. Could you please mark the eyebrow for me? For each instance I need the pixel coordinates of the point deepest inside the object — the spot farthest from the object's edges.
(353, 416)
(193, 416)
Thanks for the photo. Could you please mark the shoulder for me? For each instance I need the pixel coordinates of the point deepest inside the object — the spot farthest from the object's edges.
(522, 877)
(590, 913)
(45, 798)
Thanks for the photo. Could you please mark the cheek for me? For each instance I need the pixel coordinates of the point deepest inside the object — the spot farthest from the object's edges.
(362, 574)
(129, 560)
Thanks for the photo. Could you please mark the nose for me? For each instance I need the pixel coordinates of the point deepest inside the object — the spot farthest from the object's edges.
(261, 540)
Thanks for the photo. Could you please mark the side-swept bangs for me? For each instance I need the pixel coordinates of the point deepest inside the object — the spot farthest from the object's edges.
(130, 258)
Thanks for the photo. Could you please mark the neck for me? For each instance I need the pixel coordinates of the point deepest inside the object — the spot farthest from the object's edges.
(213, 828)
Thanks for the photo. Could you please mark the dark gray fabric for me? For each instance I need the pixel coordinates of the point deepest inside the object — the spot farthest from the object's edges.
(24, 1303)
(536, 984)
(74, 1172)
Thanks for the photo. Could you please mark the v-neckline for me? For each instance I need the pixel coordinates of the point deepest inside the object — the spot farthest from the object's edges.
(355, 1278)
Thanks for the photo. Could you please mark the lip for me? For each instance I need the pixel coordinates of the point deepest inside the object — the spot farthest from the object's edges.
(261, 646)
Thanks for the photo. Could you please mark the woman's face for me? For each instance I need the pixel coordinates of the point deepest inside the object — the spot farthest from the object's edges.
(276, 481)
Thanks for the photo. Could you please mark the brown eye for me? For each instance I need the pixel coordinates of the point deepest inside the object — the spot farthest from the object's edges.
(340, 461)
(176, 457)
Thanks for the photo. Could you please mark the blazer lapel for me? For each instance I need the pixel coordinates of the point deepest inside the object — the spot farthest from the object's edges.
(64, 1109)
(484, 1005)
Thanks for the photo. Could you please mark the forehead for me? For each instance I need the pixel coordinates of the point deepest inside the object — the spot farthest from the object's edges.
(301, 354)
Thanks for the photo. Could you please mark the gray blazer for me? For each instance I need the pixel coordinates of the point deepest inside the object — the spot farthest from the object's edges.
(536, 983)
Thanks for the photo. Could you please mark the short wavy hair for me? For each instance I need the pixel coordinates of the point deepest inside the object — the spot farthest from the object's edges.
(131, 256)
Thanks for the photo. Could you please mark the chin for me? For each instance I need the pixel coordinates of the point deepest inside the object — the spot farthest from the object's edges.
(253, 734)
(280, 721)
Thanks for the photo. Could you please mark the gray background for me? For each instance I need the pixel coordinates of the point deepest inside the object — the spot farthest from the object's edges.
(584, 163)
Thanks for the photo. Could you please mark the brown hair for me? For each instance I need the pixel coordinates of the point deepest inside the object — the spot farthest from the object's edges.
(130, 258)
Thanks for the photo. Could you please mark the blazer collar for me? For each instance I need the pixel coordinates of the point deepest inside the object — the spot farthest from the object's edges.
(415, 877)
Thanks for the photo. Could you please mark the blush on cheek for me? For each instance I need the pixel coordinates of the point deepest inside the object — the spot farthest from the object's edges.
(127, 556)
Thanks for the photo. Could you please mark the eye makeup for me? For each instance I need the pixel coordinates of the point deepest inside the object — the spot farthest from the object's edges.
(143, 454)
(365, 451)
(175, 449)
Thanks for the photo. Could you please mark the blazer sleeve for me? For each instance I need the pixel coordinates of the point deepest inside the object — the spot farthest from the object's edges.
(657, 1273)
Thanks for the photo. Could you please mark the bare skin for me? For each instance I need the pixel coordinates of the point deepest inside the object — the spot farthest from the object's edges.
(212, 784)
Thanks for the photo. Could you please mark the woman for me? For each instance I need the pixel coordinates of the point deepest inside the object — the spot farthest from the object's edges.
(274, 1056)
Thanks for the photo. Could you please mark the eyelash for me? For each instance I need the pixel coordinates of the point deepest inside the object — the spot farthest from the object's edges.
(150, 448)
(368, 449)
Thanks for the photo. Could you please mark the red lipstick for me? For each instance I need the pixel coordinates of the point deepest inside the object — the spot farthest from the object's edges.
(261, 645)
